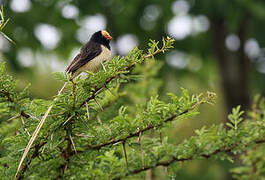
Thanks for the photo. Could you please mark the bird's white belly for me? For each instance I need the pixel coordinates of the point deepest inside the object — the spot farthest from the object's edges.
(94, 65)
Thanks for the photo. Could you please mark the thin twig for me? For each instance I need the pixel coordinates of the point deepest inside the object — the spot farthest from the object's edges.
(83, 135)
(60, 142)
(14, 117)
(33, 117)
(72, 141)
(67, 120)
(141, 148)
(125, 154)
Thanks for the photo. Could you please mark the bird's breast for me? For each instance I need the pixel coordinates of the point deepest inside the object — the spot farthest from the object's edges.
(94, 64)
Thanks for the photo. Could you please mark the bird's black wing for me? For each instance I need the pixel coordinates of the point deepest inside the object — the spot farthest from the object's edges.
(69, 68)
(87, 53)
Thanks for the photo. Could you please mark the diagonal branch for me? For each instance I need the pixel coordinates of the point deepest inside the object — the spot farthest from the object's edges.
(136, 134)
(176, 159)
(141, 131)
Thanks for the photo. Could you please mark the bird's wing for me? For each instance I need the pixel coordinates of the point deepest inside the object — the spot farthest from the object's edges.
(88, 53)
(77, 57)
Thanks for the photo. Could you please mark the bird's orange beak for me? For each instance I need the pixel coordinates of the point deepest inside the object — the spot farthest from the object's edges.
(106, 34)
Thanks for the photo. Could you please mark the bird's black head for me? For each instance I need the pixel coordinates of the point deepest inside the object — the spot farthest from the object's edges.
(101, 37)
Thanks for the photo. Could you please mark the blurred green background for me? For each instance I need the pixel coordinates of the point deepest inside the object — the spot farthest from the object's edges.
(219, 47)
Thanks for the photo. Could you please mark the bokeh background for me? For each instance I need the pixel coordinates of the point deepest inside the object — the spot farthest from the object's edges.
(219, 47)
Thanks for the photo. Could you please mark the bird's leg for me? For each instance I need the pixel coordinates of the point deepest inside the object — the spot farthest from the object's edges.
(73, 91)
(103, 66)
(72, 81)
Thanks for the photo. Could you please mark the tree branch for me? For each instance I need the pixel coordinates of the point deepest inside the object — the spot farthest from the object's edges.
(136, 134)
(175, 159)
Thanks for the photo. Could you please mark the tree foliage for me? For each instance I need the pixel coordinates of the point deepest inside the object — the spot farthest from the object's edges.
(112, 125)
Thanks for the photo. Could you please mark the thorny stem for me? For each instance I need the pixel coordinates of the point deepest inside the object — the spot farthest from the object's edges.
(131, 135)
(140, 131)
(154, 53)
(176, 159)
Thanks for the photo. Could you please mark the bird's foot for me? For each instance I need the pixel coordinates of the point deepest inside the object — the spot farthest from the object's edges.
(103, 67)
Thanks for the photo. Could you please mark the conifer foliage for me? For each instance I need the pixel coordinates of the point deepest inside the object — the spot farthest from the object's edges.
(109, 125)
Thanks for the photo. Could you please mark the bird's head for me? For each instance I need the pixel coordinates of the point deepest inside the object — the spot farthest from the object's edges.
(106, 35)
(101, 37)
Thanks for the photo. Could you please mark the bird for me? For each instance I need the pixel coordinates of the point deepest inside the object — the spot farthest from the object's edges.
(92, 54)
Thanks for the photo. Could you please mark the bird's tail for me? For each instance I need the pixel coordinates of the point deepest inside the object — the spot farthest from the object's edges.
(35, 134)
